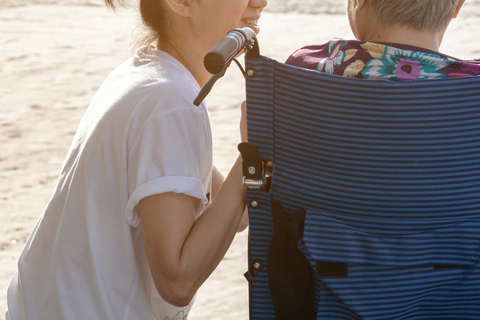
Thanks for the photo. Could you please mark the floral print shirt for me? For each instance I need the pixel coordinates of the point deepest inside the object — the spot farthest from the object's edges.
(368, 60)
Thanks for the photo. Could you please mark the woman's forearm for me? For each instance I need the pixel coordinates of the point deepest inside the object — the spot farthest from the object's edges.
(182, 252)
(213, 233)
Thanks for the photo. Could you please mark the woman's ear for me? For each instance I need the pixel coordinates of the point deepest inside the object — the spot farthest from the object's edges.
(459, 6)
(181, 7)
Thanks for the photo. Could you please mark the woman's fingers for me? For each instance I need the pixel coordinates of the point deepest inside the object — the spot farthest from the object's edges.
(243, 122)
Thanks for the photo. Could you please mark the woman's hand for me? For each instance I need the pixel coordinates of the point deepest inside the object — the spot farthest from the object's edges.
(243, 122)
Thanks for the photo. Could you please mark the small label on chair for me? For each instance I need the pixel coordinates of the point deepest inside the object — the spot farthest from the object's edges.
(331, 269)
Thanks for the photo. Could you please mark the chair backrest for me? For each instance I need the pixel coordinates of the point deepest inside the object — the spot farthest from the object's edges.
(389, 174)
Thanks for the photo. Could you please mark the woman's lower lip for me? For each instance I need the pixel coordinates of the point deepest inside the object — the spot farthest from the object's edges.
(254, 27)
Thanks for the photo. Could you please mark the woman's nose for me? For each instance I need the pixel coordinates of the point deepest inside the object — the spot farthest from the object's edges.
(258, 4)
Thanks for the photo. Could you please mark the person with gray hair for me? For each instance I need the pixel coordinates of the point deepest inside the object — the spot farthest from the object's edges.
(433, 15)
(395, 40)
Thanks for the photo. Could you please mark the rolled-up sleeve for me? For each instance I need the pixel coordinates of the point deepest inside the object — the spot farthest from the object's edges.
(169, 154)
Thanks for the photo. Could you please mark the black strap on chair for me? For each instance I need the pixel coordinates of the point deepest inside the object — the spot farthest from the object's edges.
(289, 272)
(331, 269)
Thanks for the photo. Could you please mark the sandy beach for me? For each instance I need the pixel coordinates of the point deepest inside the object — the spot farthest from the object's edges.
(55, 55)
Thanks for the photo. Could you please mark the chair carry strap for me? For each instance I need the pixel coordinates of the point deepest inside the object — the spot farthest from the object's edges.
(289, 272)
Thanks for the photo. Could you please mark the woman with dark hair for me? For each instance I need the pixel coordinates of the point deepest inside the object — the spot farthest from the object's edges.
(140, 217)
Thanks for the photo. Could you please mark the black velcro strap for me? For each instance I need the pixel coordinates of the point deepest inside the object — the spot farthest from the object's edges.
(332, 269)
(446, 266)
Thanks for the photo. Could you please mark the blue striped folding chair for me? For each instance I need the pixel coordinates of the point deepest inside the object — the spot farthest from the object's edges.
(386, 178)
(372, 209)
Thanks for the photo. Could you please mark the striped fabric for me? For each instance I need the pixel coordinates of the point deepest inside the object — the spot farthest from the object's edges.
(389, 174)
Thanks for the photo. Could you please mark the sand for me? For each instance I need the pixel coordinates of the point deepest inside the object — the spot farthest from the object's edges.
(54, 56)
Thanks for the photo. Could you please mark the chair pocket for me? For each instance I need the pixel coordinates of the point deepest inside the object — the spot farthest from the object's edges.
(377, 269)
(336, 239)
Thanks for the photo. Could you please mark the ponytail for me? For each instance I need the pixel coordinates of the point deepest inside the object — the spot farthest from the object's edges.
(153, 14)
(154, 18)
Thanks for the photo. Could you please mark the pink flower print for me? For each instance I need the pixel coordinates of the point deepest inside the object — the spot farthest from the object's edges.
(335, 58)
(398, 64)
(459, 75)
(408, 70)
(335, 53)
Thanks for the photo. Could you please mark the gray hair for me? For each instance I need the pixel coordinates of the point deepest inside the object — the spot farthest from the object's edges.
(433, 15)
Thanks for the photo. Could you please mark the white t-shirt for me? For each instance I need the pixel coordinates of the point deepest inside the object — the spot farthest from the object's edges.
(141, 135)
